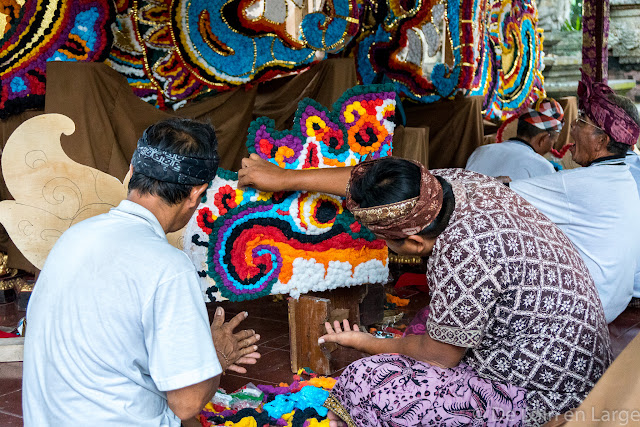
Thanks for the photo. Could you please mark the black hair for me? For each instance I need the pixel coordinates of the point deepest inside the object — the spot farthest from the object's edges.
(616, 147)
(180, 136)
(527, 130)
(393, 180)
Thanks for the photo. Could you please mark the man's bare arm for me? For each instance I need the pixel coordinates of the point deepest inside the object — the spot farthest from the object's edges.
(187, 402)
(266, 176)
(419, 347)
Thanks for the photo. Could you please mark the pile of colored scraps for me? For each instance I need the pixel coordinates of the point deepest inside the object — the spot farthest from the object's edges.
(295, 405)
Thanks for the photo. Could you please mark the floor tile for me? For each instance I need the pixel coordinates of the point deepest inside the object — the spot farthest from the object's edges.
(263, 308)
(274, 367)
(11, 403)
(10, 377)
(8, 420)
(268, 330)
(281, 342)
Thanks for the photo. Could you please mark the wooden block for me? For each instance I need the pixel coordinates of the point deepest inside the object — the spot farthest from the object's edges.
(306, 324)
(338, 314)
(11, 349)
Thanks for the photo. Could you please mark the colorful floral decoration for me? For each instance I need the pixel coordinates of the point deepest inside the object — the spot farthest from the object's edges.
(33, 32)
(248, 244)
(406, 47)
(173, 51)
(510, 77)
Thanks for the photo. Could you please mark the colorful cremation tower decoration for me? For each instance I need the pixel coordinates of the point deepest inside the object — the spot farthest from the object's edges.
(247, 244)
(174, 51)
(33, 32)
(509, 72)
(496, 51)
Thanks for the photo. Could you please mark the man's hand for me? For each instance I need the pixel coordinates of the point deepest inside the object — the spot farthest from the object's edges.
(261, 175)
(503, 179)
(234, 349)
(334, 420)
(347, 336)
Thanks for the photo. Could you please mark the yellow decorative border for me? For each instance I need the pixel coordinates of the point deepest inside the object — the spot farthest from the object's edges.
(336, 407)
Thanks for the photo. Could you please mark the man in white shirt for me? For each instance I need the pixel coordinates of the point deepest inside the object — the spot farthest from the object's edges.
(522, 157)
(597, 206)
(118, 329)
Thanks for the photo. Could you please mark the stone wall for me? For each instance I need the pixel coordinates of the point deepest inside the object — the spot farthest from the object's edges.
(624, 43)
(553, 13)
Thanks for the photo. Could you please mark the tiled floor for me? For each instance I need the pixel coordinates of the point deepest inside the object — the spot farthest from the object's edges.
(269, 318)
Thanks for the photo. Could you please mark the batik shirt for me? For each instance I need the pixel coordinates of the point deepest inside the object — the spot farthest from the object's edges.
(507, 284)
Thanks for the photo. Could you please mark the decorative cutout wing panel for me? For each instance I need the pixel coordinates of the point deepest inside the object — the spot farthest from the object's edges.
(51, 191)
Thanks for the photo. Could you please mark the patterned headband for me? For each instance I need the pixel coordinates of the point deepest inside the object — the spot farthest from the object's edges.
(170, 167)
(547, 115)
(401, 219)
(614, 120)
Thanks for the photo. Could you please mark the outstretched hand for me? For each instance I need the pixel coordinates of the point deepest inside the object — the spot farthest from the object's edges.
(345, 335)
(261, 174)
(234, 349)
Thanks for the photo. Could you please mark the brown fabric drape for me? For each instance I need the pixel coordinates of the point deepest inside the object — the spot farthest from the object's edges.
(325, 82)
(412, 144)
(455, 129)
(110, 118)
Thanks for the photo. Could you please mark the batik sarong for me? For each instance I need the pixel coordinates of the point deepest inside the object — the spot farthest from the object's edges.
(396, 390)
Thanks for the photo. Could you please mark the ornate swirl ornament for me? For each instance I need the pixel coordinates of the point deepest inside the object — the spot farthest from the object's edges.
(36, 31)
(249, 244)
(510, 78)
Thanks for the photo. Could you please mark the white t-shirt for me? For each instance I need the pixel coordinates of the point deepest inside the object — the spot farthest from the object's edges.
(597, 208)
(514, 159)
(116, 319)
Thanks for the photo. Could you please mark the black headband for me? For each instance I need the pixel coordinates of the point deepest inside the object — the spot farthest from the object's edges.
(170, 167)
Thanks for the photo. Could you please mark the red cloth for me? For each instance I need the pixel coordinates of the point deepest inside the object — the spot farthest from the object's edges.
(7, 335)
(413, 279)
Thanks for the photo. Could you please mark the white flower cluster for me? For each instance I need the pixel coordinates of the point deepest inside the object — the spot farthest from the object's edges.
(309, 276)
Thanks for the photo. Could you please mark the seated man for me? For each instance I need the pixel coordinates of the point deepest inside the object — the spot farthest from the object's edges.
(515, 331)
(597, 206)
(521, 157)
(118, 329)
